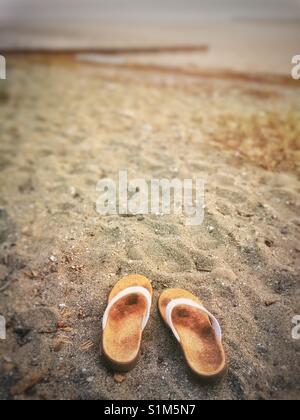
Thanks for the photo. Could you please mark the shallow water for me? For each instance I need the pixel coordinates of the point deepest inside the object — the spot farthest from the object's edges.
(168, 10)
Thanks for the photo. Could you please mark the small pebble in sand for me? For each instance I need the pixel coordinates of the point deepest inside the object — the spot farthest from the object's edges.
(25, 230)
(118, 378)
(53, 258)
(224, 274)
(211, 229)
(269, 243)
(270, 302)
(261, 348)
(128, 113)
(73, 191)
(62, 306)
(60, 325)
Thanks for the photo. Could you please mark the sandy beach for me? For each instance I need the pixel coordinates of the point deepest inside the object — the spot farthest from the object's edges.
(162, 90)
(72, 123)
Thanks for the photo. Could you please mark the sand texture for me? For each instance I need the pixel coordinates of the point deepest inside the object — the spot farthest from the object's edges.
(63, 127)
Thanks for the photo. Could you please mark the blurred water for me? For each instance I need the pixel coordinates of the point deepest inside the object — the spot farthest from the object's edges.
(243, 35)
(147, 10)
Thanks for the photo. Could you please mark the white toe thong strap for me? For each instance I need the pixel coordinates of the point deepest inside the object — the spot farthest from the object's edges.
(188, 302)
(129, 291)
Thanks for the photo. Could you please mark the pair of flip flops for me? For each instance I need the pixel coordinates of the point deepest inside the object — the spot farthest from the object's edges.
(128, 312)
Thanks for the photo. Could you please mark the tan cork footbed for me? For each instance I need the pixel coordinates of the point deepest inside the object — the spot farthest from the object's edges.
(203, 352)
(121, 339)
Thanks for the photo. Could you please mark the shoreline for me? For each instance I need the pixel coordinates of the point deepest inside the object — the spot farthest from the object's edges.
(235, 46)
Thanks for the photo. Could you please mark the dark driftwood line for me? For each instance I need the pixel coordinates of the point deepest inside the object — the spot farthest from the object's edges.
(108, 51)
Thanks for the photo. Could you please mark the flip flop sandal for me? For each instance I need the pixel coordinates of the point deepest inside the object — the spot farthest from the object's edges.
(124, 320)
(197, 331)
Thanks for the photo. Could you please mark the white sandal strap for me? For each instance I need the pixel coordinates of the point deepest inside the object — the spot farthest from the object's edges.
(130, 290)
(176, 302)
